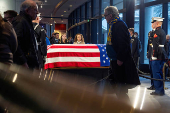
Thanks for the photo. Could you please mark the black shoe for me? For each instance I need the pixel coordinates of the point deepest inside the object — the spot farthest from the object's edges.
(154, 93)
(151, 88)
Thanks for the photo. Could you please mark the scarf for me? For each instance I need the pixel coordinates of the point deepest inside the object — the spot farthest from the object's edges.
(111, 24)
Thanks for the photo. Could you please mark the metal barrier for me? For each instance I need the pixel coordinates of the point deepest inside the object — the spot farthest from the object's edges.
(142, 75)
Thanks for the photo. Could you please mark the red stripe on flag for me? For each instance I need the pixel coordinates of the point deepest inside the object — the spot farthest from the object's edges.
(77, 47)
(72, 64)
(73, 54)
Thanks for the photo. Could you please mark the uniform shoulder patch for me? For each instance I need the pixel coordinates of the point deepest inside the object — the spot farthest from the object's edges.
(155, 35)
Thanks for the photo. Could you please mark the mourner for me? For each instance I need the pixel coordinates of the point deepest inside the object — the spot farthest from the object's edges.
(27, 51)
(123, 69)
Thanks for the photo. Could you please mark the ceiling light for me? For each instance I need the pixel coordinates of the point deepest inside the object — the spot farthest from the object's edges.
(70, 5)
(51, 24)
(41, 6)
(61, 15)
(64, 11)
(61, 21)
(45, 0)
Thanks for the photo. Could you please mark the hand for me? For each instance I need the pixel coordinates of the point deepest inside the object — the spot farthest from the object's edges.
(119, 63)
(25, 65)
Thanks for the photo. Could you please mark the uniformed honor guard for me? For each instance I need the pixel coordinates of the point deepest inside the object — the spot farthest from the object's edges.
(149, 52)
(158, 55)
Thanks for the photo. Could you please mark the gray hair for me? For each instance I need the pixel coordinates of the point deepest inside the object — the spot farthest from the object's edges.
(26, 4)
(112, 10)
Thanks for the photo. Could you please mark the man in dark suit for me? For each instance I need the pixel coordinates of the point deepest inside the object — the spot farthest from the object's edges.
(26, 54)
(41, 41)
(123, 68)
(55, 38)
(135, 46)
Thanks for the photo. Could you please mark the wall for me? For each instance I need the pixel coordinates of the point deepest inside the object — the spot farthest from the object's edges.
(60, 28)
(10, 5)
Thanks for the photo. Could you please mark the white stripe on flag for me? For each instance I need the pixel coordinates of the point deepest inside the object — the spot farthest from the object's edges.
(72, 59)
(74, 44)
(51, 50)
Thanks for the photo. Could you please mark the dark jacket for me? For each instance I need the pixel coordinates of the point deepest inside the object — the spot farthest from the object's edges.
(53, 40)
(27, 48)
(8, 43)
(149, 46)
(159, 40)
(135, 47)
(41, 40)
(121, 44)
(167, 43)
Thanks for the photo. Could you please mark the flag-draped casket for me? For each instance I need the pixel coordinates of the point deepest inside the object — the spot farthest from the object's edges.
(76, 55)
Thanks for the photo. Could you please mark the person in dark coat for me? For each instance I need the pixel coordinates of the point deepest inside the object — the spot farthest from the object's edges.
(8, 42)
(135, 46)
(27, 51)
(149, 54)
(55, 38)
(41, 40)
(159, 55)
(9, 15)
(118, 49)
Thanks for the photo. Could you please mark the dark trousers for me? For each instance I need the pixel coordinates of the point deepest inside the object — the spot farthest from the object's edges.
(150, 69)
(117, 76)
(157, 66)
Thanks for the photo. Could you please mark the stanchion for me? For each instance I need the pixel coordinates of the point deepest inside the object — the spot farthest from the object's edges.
(165, 65)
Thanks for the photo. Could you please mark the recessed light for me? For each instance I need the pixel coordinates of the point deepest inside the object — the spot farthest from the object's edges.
(51, 24)
(41, 6)
(64, 11)
(61, 21)
(45, 0)
(70, 5)
(61, 15)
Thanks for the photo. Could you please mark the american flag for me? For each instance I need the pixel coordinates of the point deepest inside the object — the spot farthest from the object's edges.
(76, 55)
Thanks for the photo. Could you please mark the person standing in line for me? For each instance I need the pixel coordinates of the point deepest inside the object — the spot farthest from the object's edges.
(27, 51)
(9, 15)
(41, 41)
(135, 46)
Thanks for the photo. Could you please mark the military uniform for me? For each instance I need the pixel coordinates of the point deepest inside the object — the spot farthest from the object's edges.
(149, 54)
(158, 57)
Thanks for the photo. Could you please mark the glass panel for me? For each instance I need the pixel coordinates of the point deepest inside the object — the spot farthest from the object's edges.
(152, 11)
(104, 30)
(169, 18)
(145, 1)
(95, 8)
(137, 2)
(88, 10)
(136, 22)
(121, 16)
(82, 12)
(78, 15)
(118, 4)
(105, 3)
(75, 16)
